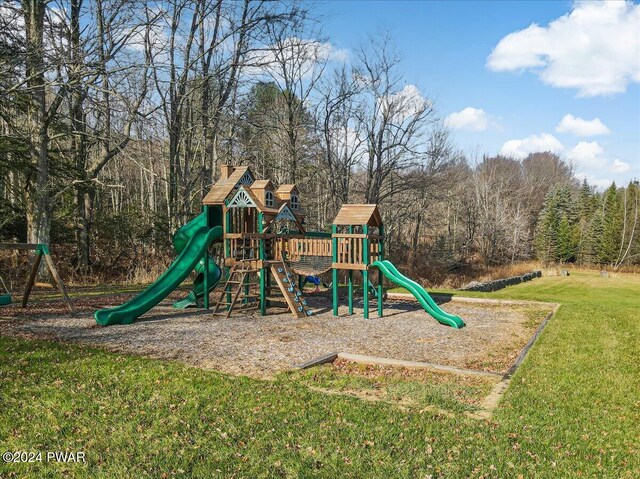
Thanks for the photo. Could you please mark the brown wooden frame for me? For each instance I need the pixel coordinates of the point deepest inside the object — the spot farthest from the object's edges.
(41, 251)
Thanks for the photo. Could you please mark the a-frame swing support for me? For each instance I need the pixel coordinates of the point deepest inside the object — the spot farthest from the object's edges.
(41, 251)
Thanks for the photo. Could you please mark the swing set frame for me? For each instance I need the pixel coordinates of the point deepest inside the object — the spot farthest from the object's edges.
(41, 251)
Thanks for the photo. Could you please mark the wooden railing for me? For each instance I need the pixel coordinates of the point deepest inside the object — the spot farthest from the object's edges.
(351, 249)
(244, 246)
(374, 248)
(297, 247)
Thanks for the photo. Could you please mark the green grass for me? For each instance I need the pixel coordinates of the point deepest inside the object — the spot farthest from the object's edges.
(572, 409)
(408, 388)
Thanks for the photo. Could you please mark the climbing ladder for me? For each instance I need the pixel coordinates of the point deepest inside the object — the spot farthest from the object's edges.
(291, 293)
(239, 276)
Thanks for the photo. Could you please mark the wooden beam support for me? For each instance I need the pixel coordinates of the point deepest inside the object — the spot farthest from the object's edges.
(31, 280)
(365, 273)
(58, 280)
(334, 271)
(380, 276)
(358, 267)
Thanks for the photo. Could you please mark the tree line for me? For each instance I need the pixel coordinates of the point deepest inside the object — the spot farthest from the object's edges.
(115, 116)
(589, 228)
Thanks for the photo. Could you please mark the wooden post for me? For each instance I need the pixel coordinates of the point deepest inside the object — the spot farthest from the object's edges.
(350, 283)
(350, 291)
(227, 229)
(365, 272)
(380, 275)
(32, 279)
(334, 271)
(227, 251)
(56, 277)
(268, 287)
(205, 262)
(263, 271)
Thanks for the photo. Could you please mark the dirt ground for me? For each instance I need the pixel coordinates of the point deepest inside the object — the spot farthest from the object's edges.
(262, 346)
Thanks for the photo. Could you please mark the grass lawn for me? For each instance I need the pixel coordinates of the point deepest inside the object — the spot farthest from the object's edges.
(572, 409)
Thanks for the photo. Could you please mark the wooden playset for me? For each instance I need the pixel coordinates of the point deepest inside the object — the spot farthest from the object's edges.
(268, 253)
(266, 245)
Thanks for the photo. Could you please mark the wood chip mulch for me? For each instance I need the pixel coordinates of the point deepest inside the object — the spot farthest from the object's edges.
(263, 346)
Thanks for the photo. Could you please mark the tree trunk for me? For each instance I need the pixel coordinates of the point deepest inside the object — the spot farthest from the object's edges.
(38, 200)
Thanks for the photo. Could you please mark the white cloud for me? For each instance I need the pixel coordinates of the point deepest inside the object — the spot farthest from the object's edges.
(620, 166)
(405, 103)
(595, 49)
(579, 127)
(588, 154)
(532, 144)
(474, 119)
(299, 56)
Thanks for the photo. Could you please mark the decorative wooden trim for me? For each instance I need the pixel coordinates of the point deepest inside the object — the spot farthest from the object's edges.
(242, 199)
(285, 213)
(247, 179)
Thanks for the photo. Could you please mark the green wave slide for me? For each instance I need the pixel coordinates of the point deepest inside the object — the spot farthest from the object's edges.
(429, 305)
(190, 241)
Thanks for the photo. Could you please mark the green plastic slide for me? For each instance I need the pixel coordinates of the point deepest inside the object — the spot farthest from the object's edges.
(191, 242)
(180, 240)
(429, 305)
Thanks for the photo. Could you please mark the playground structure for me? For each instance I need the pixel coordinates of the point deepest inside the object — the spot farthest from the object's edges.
(265, 246)
(41, 252)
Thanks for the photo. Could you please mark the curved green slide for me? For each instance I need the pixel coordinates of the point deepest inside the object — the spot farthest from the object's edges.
(191, 242)
(429, 305)
(180, 240)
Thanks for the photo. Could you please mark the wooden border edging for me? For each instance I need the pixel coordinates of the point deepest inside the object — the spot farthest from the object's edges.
(327, 358)
(362, 359)
(492, 400)
(525, 350)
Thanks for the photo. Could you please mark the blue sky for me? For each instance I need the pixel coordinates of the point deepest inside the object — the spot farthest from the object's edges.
(582, 59)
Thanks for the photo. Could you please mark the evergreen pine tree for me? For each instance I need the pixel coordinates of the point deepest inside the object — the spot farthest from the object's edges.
(595, 252)
(609, 244)
(545, 239)
(566, 244)
(586, 205)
